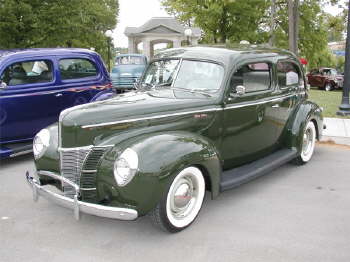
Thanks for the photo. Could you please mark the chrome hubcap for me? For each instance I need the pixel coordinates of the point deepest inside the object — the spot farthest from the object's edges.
(183, 197)
(307, 141)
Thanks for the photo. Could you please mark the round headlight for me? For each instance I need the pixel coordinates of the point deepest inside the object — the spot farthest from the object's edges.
(41, 143)
(125, 167)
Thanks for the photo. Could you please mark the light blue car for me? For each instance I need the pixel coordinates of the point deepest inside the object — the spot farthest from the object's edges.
(127, 70)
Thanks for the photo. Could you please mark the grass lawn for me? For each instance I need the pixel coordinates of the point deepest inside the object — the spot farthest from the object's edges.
(330, 101)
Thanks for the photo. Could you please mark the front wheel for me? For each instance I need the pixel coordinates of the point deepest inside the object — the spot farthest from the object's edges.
(308, 144)
(328, 87)
(181, 204)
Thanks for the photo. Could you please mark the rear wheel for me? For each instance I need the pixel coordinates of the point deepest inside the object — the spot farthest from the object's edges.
(181, 204)
(308, 144)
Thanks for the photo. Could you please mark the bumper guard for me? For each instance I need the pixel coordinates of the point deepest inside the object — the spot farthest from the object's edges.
(75, 204)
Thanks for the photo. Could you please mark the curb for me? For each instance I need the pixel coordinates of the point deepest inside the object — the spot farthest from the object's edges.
(336, 140)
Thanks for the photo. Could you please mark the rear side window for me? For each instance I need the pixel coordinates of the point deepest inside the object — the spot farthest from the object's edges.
(28, 72)
(76, 68)
(288, 74)
(254, 77)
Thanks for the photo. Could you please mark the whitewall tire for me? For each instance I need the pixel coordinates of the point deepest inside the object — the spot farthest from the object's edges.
(182, 202)
(308, 144)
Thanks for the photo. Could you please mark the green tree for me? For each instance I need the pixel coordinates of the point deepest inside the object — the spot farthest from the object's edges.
(237, 20)
(221, 19)
(336, 26)
(53, 23)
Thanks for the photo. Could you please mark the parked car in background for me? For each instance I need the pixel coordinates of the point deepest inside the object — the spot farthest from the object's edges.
(214, 118)
(37, 84)
(325, 78)
(127, 71)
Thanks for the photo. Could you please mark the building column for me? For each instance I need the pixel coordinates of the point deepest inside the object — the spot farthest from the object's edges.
(177, 43)
(146, 48)
(131, 45)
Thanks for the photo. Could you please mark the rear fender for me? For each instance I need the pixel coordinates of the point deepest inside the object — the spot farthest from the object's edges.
(306, 111)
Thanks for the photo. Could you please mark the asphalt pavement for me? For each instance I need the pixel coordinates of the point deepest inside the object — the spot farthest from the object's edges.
(293, 214)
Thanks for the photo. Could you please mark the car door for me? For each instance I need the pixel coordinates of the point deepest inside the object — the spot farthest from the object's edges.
(31, 99)
(290, 85)
(81, 79)
(249, 127)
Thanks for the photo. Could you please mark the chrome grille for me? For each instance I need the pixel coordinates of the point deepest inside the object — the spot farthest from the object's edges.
(88, 174)
(71, 166)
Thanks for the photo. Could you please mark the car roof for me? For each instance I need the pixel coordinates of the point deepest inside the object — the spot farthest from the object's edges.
(223, 54)
(43, 51)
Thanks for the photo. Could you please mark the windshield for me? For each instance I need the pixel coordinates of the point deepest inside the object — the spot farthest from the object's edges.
(129, 60)
(184, 74)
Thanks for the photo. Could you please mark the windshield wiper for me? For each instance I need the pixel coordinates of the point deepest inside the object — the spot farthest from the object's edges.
(164, 84)
(194, 91)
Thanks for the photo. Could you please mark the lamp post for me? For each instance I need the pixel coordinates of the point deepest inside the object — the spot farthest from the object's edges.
(109, 34)
(344, 108)
(188, 34)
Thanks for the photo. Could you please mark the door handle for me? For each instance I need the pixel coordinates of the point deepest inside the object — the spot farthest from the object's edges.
(58, 95)
(276, 106)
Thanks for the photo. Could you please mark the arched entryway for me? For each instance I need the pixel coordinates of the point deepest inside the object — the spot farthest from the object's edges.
(160, 30)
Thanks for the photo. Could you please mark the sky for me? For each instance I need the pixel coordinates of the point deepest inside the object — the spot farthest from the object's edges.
(138, 12)
(135, 13)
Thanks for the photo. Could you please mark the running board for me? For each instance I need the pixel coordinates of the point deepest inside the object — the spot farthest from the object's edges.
(13, 150)
(237, 176)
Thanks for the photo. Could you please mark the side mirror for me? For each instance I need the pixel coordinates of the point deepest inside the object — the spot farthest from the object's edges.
(3, 85)
(240, 90)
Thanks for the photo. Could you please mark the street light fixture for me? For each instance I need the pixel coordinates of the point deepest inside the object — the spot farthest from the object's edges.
(344, 108)
(188, 34)
(109, 35)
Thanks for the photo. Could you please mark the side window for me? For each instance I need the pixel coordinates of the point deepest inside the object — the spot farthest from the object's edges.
(75, 68)
(287, 74)
(28, 72)
(254, 77)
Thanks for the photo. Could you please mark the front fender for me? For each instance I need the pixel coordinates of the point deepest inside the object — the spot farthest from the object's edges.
(103, 95)
(306, 111)
(161, 157)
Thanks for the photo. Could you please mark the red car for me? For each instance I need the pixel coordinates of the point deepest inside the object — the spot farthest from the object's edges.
(325, 78)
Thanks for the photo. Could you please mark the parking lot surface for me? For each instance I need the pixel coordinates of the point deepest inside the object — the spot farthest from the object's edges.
(293, 214)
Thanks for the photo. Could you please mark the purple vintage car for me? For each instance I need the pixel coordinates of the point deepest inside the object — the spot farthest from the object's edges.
(37, 84)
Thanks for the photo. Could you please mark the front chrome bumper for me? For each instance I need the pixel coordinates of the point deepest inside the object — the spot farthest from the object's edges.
(75, 204)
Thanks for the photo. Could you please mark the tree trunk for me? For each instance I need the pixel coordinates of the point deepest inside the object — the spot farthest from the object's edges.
(293, 15)
(272, 25)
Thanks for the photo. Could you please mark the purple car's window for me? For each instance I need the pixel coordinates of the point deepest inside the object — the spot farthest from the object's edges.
(76, 68)
(28, 72)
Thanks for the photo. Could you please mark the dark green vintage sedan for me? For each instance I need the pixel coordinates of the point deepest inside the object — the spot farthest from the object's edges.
(202, 119)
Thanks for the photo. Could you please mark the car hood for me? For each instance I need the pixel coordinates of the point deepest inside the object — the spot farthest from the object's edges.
(91, 123)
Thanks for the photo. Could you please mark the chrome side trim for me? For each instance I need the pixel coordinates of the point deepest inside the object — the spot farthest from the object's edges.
(152, 117)
(76, 205)
(21, 153)
(188, 112)
(276, 99)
